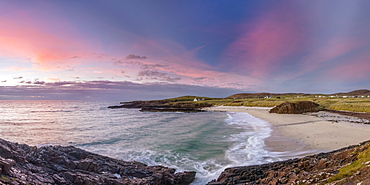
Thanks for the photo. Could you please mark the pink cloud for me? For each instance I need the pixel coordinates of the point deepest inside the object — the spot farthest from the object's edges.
(266, 42)
(328, 51)
(173, 61)
(169, 52)
(14, 69)
(357, 68)
(184, 63)
(24, 35)
(285, 45)
(27, 36)
(171, 57)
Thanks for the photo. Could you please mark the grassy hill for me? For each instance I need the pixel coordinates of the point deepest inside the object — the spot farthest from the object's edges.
(354, 101)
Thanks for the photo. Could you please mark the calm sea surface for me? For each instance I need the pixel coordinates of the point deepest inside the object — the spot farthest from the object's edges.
(204, 142)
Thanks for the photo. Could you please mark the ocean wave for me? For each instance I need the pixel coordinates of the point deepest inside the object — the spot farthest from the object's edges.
(249, 144)
(205, 142)
(206, 169)
(246, 146)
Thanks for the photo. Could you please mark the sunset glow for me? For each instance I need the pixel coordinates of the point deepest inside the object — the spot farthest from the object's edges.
(159, 49)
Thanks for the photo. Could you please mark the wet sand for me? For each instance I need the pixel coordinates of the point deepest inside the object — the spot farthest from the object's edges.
(298, 134)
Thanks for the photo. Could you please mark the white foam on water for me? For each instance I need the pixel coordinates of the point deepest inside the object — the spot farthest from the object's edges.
(249, 145)
(206, 170)
(151, 138)
(248, 148)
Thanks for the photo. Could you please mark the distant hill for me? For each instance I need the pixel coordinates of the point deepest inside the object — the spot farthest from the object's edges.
(263, 94)
(361, 92)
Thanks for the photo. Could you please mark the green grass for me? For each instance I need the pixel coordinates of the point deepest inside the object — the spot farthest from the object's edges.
(189, 98)
(255, 103)
(342, 104)
(353, 167)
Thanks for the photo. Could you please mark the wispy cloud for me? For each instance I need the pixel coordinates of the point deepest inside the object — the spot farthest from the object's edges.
(107, 90)
(156, 75)
(357, 70)
(289, 46)
(266, 43)
(256, 46)
(135, 57)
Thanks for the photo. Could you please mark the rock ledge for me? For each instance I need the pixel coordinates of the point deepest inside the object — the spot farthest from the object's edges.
(23, 164)
(315, 169)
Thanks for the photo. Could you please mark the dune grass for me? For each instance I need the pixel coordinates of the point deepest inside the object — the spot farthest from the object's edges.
(345, 104)
(354, 106)
(341, 104)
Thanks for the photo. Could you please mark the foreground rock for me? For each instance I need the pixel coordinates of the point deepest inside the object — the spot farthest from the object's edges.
(347, 166)
(295, 108)
(23, 164)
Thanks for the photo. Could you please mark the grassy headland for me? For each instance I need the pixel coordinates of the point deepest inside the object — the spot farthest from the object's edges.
(355, 101)
(353, 104)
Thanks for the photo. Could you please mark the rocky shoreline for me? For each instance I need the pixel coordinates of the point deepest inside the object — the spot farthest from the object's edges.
(348, 117)
(323, 168)
(23, 164)
(364, 117)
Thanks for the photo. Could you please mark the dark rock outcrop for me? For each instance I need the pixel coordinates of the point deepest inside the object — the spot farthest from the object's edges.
(170, 109)
(140, 104)
(163, 106)
(23, 164)
(296, 108)
(315, 169)
(361, 115)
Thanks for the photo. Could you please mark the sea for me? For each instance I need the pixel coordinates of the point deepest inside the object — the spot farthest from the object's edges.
(205, 142)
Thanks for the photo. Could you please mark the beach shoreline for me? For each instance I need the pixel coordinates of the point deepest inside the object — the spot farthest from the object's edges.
(304, 134)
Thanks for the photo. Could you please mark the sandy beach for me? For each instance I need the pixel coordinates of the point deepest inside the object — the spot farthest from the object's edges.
(299, 133)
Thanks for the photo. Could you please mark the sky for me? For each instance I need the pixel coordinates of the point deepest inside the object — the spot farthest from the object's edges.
(141, 50)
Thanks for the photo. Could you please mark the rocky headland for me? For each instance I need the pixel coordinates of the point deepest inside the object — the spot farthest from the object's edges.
(164, 106)
(23, 164)
(349, 166)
